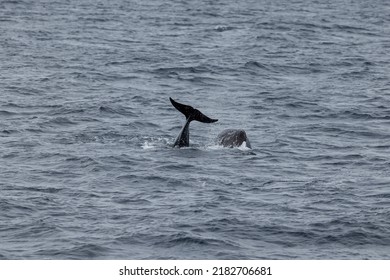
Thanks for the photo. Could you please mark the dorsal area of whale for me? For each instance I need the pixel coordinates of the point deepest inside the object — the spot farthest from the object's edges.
(233, 138)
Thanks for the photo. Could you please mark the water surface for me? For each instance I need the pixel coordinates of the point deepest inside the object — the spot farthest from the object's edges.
(86, 165)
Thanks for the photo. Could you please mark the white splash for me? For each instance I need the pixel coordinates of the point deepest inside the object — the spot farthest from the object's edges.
(244, 147)
(148, 145)
(214, 147)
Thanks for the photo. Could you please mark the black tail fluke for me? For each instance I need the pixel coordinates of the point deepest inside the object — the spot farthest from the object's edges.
(191, 113)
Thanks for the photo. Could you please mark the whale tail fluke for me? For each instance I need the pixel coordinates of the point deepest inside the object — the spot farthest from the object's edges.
(191, 113)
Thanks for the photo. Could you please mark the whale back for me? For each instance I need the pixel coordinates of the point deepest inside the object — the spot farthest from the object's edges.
(233, 138)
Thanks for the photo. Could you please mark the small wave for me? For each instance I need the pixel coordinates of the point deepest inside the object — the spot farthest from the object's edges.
(132, 201)
(62, 110)
(350, 28)
(118, 110)
(179, 70)
(350, 232)
(363, 115)
(84, 161)
(353, 238)
(9, 206)
(186, 239)
(199, 80)
(223, 28)
(59, 121)
(123, 62)
(255, 64)
(86, 251)
(141, 100)
(43, 189)
(7, 113)
(8, 131)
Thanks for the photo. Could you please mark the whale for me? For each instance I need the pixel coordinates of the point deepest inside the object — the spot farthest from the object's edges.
(232, 138)
(191, 114)
(227, 138)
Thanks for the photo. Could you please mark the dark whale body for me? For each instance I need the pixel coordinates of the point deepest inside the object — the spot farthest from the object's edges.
(233, 138)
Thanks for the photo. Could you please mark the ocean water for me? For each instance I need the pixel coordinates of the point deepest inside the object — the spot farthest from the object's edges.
(87, 170)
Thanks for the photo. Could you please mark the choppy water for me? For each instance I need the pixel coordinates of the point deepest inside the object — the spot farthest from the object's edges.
(86, 167)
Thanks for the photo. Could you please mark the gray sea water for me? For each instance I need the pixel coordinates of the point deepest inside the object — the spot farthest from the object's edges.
(87, 170)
